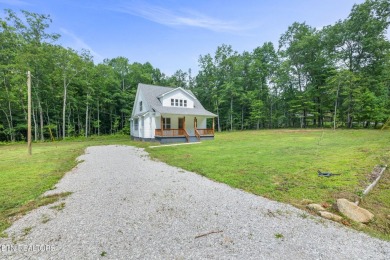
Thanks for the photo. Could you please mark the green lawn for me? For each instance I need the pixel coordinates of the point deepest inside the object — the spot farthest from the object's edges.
(278, 164)
(282, 165)
(24, 178)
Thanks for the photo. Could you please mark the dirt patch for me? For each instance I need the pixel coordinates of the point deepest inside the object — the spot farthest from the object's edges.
(375, 173)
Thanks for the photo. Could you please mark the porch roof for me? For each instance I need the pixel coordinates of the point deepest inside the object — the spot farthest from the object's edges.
(183, 111)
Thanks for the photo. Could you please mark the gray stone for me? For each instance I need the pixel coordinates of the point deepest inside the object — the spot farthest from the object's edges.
(315, 207)
(331, 216)
(354, 212)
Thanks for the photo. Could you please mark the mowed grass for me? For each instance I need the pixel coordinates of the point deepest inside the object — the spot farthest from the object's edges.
(279, 164)
(24, 178)
(282, 165)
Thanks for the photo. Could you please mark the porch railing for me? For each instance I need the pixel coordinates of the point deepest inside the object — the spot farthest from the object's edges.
(169, 132)
(183, 132)
(197, 134)
(208, 131)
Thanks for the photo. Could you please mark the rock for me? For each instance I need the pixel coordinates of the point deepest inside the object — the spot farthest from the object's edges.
(331, 216)
(306, 201)
(354, 212)
(315, 207)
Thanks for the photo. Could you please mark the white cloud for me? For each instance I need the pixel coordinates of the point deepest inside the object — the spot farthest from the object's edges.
(180, 18)
(77, 43)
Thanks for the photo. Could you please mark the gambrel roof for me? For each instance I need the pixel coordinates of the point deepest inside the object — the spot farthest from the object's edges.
(152, 95)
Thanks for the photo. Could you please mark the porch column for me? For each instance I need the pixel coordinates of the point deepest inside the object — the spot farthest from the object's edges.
(195, 123)
(162, 126)
(184, 123)
(139, 126)
(213, 123)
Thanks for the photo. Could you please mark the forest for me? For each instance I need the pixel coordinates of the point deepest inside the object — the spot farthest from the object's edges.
(337, 76)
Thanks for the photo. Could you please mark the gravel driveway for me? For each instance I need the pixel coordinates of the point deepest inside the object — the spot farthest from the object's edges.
(126, 206)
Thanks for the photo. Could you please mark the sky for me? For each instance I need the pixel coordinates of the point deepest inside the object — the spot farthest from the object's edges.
(172, 34)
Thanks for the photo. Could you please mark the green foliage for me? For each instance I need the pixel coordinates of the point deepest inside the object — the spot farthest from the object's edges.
(317, 77)
(337, 76)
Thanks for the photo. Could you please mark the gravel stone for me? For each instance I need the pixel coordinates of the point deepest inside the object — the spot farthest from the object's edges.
(126, 206)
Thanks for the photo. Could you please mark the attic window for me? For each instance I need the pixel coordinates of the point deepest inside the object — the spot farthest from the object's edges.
(178, 102)
(140, 106)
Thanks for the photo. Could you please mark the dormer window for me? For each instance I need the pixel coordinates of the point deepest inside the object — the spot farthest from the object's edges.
(179, 102)
(140, 106)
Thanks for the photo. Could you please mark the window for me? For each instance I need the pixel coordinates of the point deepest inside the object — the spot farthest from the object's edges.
(178, 102)
(181, 123)
(136, 124)
(140, 106)
(167, 123)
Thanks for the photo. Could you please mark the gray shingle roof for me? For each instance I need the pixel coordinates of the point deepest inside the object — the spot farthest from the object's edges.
(151, 92)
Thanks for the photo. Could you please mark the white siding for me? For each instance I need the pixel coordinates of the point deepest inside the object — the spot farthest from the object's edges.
(135, 132)
(190, 125)
(179, 95)
(141, 127)
(145, 106)
(202, 123)
(152, 125)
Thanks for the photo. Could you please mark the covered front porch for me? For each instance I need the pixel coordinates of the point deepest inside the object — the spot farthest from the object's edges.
(184, 129)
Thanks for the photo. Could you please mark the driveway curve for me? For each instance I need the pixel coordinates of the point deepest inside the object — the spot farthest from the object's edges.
(126, 206)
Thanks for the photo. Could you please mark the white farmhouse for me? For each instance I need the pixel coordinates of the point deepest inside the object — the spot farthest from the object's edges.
(169, 115)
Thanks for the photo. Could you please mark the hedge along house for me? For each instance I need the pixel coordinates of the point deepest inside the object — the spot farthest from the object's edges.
(169, 115)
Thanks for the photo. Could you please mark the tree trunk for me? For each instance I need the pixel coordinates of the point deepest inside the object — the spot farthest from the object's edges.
(218, 123)
(64, 109)
(231, 114)
(40, 115)
(8, 121)
(9, 117)
(270, 118)
(35, 125)
(98, 117)
(41, 122)
(86, 118)
(242, 118)
(335, 107)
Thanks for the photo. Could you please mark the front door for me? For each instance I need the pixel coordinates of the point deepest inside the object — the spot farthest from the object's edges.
(181, 123)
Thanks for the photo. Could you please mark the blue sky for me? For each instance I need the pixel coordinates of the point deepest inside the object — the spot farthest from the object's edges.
(172, 34)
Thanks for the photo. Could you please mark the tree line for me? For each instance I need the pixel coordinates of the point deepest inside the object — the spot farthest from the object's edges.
(71, 96)
(337, 76)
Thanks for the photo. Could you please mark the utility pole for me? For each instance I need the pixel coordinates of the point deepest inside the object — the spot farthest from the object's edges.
(29, 112)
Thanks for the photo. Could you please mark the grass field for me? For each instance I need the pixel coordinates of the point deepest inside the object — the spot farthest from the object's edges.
(278, 164)
(24, 178)
(282, 165)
